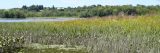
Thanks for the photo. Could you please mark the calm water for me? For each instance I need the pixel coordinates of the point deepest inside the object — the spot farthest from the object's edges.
(37, 19)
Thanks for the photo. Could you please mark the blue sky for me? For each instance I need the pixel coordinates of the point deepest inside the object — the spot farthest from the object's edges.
(5, 4)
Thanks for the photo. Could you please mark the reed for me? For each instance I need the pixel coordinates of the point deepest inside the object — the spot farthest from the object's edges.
(138, 35)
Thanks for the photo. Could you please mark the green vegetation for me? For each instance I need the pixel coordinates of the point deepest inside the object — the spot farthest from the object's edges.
(127, 29)
(12, 14)
(9, 44)
(85, 11)
(118, 35)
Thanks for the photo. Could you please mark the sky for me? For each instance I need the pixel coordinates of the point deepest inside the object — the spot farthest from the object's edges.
(7, 4)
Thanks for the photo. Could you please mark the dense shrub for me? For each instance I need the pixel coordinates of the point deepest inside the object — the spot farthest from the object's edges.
(85, 11)
(12, 14)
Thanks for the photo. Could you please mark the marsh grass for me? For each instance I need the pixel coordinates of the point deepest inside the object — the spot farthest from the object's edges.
(139, 35)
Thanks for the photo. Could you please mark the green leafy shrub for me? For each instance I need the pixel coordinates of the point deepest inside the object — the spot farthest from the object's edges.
(13, 14)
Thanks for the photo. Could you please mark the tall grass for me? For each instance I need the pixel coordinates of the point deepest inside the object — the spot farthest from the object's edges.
(138, 35)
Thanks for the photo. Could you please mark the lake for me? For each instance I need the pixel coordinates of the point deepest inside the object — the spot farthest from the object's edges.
(38, 20)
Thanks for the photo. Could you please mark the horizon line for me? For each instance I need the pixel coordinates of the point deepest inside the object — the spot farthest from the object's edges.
(79, 6)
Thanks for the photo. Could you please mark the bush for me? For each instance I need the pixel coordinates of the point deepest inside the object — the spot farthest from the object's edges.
(13, 14)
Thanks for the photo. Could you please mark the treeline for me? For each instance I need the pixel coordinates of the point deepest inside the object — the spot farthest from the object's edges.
(11, 14)
(85, 11)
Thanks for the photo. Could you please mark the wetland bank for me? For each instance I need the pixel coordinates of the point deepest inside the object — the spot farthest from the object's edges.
(86, 36)
(82, 29)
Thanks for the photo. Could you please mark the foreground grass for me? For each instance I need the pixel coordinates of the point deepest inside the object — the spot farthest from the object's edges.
(138, 35)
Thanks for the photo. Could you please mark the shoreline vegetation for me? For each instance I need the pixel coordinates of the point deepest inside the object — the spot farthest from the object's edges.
(97, 35)
(104, 29)
(82, 12)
